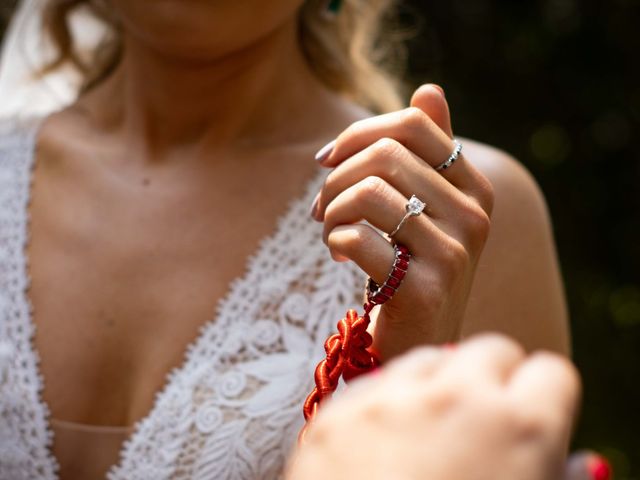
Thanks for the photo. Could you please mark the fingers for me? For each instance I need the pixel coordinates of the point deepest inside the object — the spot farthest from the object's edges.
(545, 384)
(550, 386)
(430, 99)
(383, 207)
(390, 160)
(373, 254)
(414, 129)
(420, 362)
(415, 366)
(450, 209)
(411, 127)
(486, 357)
(364, 246)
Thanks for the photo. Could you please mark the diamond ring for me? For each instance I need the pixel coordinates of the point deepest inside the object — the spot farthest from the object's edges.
(452, 158)
(414, 207)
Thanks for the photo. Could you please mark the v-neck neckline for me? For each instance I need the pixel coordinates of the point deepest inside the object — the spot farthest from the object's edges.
(214, 328)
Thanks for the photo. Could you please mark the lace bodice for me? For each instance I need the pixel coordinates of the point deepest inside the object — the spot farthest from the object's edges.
(232, 410)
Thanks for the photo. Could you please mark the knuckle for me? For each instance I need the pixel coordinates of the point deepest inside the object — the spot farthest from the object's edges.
(432, 293)
(331, 178)
(498, 343)
(445, 397)
(456, 258)
(486, 195)
(413, 118)
(564, 369)
(478, 222)
(501, 347)
(528, 423)
(329, 213)
(371, 189)
(355, 128)
(386, 148)
(567, 368)
(386, 157)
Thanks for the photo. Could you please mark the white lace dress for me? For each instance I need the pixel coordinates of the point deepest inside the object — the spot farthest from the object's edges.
(232, 410)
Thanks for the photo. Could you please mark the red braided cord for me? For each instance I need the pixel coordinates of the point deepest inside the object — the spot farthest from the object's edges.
(347, 356)
(347, 351)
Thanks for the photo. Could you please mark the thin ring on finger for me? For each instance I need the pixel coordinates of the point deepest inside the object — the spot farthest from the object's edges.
(400, 167)
(452, 158)
(415, 130)
(380, 206)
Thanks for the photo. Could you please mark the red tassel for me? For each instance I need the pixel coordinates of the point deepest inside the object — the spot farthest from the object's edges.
(348, 353)
(347, 356)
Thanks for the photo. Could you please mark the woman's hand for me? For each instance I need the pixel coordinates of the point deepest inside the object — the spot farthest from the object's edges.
(481, 411)
(379, 163)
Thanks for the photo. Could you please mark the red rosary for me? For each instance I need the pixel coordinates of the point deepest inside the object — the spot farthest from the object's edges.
(348, 353)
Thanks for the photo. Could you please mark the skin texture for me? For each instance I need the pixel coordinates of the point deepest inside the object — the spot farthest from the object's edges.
(380, 162)
(481, 411)
(131, 218)
(386, 159)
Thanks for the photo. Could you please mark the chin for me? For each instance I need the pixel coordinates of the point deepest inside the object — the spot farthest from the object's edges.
(202, 29)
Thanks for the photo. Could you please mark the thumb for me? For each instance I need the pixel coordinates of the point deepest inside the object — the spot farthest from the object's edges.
(586, 465)
(430, 99)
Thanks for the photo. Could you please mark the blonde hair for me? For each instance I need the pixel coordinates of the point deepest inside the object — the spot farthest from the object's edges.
(357, 52)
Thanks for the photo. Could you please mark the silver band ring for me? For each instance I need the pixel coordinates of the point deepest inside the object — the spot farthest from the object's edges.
(452, 158)
(414, 207)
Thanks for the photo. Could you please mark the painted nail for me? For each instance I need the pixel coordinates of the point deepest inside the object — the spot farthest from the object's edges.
(439, 88)
(325, 151)
(600, 469)
(313, 211)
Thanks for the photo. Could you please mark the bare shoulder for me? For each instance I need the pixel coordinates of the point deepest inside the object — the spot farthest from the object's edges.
(514, 186)
(519, 209)
(518, 288)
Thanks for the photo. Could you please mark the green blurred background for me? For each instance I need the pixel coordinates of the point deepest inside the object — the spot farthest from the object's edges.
(556, 84)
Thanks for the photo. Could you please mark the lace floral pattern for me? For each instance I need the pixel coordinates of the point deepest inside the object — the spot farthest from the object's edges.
(232, 410)
(24, 435)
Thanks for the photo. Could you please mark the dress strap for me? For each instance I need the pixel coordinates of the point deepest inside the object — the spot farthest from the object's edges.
(25, 437)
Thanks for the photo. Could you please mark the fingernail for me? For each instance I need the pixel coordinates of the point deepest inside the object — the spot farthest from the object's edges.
(325, 151)
(439, 88)
(600, 469)
(314, 208)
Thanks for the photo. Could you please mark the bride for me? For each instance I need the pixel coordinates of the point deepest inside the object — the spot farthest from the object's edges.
(172, 257)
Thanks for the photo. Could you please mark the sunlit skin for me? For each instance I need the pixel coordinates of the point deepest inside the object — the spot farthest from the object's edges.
(137, 228)
(483, 410)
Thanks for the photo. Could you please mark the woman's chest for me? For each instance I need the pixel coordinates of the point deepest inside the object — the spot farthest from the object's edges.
(110, 326)
(231, 408)
(123, 277)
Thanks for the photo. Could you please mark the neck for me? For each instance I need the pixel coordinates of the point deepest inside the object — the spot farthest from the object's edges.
(253, 96)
